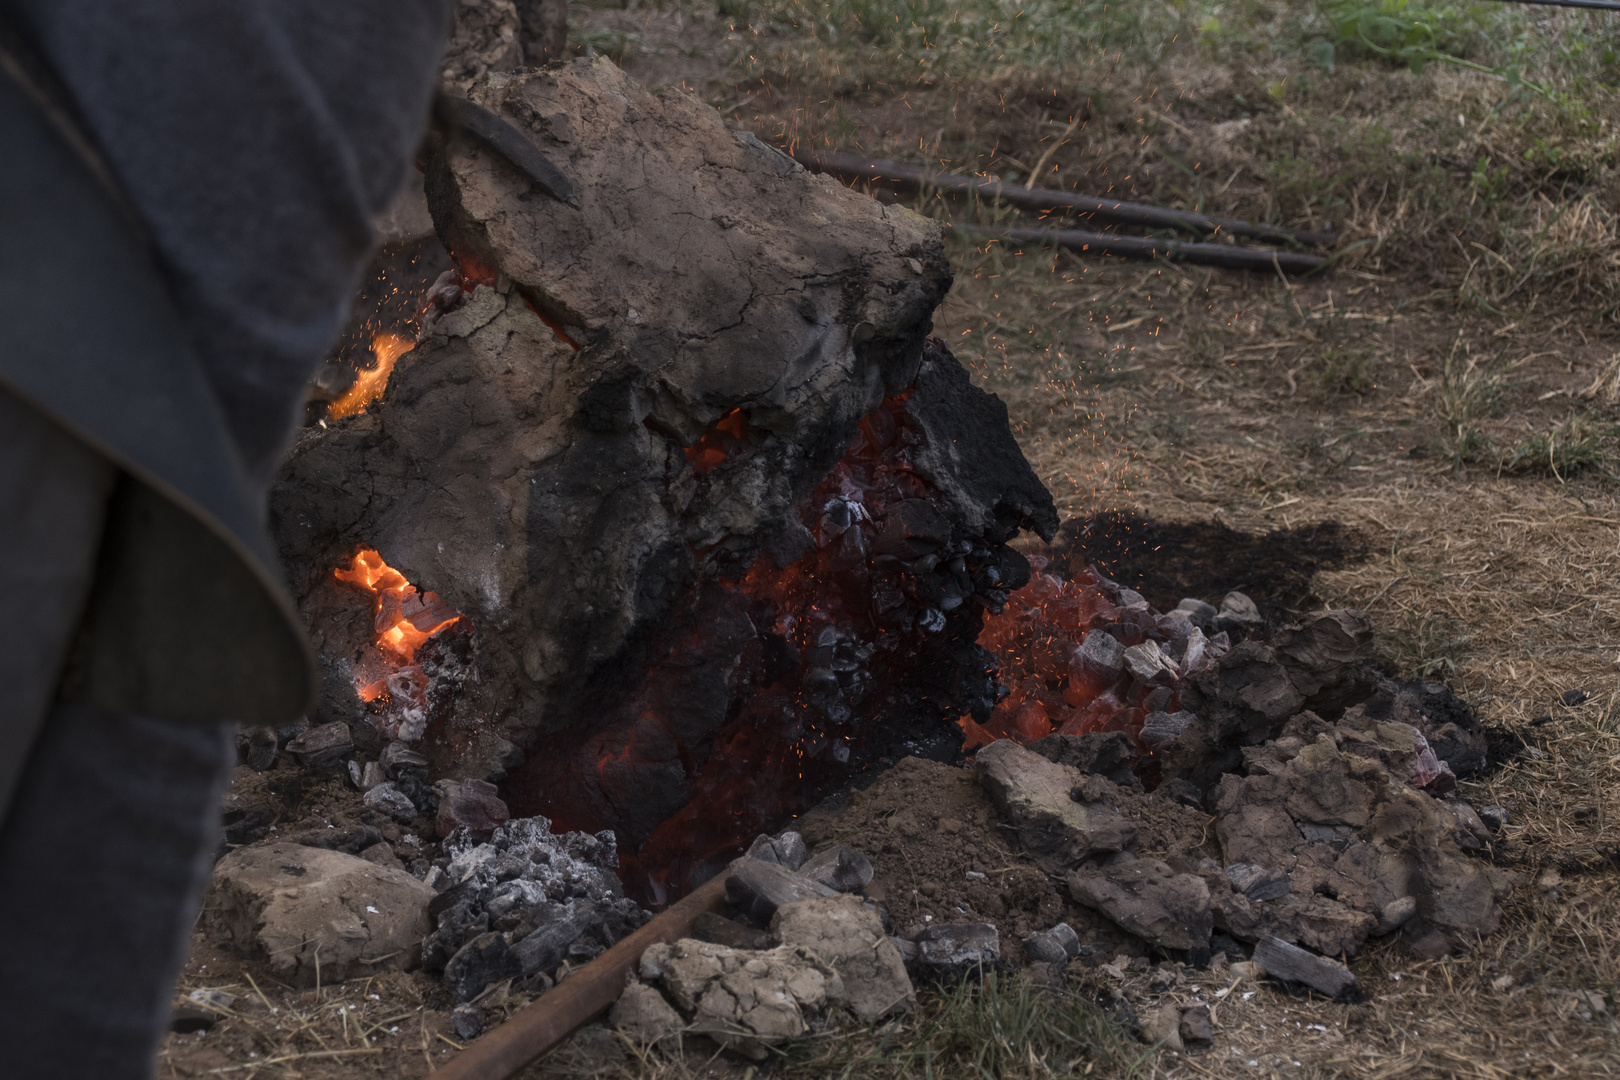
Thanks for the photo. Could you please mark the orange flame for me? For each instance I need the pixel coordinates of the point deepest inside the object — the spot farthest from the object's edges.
(404, 618)
(371, 383)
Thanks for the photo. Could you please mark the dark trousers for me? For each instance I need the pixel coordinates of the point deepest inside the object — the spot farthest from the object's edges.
(108, 822)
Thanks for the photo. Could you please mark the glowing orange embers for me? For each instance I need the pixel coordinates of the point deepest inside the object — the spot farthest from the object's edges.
(719, 442)
(371, 383)
(404, 620)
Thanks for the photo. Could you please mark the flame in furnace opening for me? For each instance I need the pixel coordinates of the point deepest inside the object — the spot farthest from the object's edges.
(371, 383)
(403, 618)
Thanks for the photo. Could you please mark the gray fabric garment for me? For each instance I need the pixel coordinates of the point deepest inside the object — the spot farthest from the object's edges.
(103, 860)
(53, 499)
(257, 139)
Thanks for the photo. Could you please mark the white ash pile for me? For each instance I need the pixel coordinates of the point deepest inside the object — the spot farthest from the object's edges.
(521, 904)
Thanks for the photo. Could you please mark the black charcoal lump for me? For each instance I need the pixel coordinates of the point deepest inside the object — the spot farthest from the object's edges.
(521, 903)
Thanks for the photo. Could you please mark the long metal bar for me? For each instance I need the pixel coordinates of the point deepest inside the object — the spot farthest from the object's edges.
(894, 174)
(1597, 5)
(1263, 260)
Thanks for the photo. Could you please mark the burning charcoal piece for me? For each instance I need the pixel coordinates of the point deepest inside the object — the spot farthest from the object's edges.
(1290, 963)
(756, 889)
(549, 945)
(485, 959)
(324, 747)
(1256, 882)
(785, 850)
(1148, 663)
(388, 799)
(953, 951)
(1161, 727)
(470, 804)
(840, 868)
(714, 927)
(1044, 947)
(399, 760)
(258, 747)
(911, 529)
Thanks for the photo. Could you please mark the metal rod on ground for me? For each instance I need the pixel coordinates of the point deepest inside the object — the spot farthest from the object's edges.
(544, 1023)
(1599, 5)
(853, 167)
(1143, 247)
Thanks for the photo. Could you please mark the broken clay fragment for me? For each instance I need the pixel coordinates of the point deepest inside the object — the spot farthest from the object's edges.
(1033, 794)
(1146, 898)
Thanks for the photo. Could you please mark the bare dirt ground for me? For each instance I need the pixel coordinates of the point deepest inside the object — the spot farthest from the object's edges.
(1426, 432)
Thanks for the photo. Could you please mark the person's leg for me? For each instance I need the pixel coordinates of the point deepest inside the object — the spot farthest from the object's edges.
(103, 859)
(107, 823)
(53, 500)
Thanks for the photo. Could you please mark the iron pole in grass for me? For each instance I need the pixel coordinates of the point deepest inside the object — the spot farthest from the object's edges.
(1596, 5)
(1264, 260)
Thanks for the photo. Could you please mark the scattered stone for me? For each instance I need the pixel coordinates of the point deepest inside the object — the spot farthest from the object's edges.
(1148, 663)
(386, 798)
(757, 889)
(473, 805)
(324, 747)
(1194, 1028)
(744, 1000)
(382, 855)
(259, 747)
(367, 776)
(1161, 1026)
(714, 927)
(210, 998)
(1146, 898)
(848, 936)
(840, 868)
(1394, 915)
(467, 1021)
(305, 909)
(1033, 794)
(1590, 1004)
(643, 1016)
(1495, 818)
(949, 952)
(1239, 609)
(1573, 697)
(1201, 612)
(1256, 882)
(1290, 963)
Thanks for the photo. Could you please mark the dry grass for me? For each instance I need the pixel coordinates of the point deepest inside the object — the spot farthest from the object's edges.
(1468, 333)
